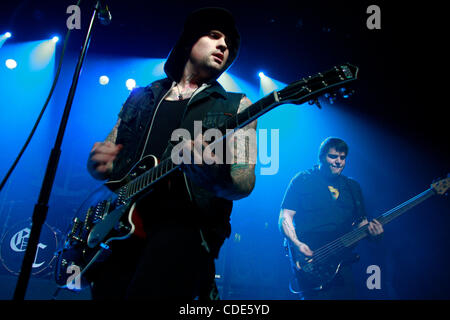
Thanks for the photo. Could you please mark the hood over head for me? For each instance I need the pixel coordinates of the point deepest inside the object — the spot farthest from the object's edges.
(198, 24)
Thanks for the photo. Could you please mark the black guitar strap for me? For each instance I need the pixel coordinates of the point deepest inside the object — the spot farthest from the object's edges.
(357, 218)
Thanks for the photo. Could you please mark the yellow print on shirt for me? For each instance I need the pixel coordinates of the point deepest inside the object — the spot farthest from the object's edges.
(334, 192)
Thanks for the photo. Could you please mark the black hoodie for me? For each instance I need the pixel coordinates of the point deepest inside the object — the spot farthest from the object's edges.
(198, 24)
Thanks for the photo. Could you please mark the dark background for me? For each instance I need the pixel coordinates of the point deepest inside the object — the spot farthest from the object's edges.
(400, 92)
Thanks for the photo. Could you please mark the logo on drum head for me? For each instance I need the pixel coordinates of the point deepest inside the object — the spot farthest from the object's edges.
(19, 243)
(14, 244)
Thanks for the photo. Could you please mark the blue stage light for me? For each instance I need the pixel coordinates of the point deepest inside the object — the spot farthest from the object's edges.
(55, 39)
(261, 74)
(8, 35)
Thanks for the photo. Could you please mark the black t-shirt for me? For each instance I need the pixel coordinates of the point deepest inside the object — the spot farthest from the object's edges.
(169, 201)
(167, 119)
(325, 208)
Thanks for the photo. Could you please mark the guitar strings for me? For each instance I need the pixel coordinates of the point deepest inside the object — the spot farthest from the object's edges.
(324, 252)
(338, 244)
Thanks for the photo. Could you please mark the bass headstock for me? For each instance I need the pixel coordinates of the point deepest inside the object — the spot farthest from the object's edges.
(441, 186)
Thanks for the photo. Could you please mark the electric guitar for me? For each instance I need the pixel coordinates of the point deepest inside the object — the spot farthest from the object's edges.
(314, 272)
(113, 216)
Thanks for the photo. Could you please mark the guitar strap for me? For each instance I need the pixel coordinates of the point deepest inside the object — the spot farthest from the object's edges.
(233, 105)
(357, 218)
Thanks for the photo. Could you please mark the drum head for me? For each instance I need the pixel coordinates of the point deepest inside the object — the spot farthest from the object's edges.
(14, 243)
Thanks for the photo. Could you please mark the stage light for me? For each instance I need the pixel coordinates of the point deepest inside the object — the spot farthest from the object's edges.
(268, 85)
(42, 54)
(261, 74)
(11, 64)
(4, 37)
(131, 83)
(55, 39)
(228, 82)
(104, 80)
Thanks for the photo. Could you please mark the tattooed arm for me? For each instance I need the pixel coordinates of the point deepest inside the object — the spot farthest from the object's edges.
(236, 179)
(241, 177)
(102, 155)
(286, 225)
(242, 170)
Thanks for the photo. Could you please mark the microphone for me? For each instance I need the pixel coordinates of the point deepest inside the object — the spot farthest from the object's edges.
(104, 15)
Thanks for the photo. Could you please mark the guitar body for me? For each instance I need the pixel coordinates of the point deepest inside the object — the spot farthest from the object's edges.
(103, 218)
(317, 277)
(313, 273)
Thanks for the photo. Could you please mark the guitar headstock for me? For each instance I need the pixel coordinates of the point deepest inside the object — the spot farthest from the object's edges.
(309, 89)
(441, 186)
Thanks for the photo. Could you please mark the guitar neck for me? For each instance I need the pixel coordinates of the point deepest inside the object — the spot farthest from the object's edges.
(360, 233)
(251, 113)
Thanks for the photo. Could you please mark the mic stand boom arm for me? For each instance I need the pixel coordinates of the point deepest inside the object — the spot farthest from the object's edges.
(41, 208)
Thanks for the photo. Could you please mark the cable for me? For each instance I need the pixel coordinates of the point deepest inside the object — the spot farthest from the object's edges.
(55, 80)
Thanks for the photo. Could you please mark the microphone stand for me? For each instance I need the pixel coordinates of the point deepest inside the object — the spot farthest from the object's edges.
(41, 208)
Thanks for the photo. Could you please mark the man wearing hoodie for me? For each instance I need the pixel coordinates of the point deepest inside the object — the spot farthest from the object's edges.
(186, 217)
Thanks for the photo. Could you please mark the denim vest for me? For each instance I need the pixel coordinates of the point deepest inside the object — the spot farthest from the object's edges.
(212, 105)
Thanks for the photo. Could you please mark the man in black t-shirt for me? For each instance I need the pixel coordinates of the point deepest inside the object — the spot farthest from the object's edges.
(320, 205)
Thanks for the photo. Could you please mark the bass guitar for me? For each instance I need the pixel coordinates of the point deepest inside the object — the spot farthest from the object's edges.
(113, 216)
(316, 271)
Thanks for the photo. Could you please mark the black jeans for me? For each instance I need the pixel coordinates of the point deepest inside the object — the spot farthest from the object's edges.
(170, 264)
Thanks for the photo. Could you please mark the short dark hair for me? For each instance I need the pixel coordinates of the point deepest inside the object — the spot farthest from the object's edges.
(332, 142)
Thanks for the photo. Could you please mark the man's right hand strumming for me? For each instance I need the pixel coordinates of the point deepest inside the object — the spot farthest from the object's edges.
(286, 226)
(304, 251)
(101, 159)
